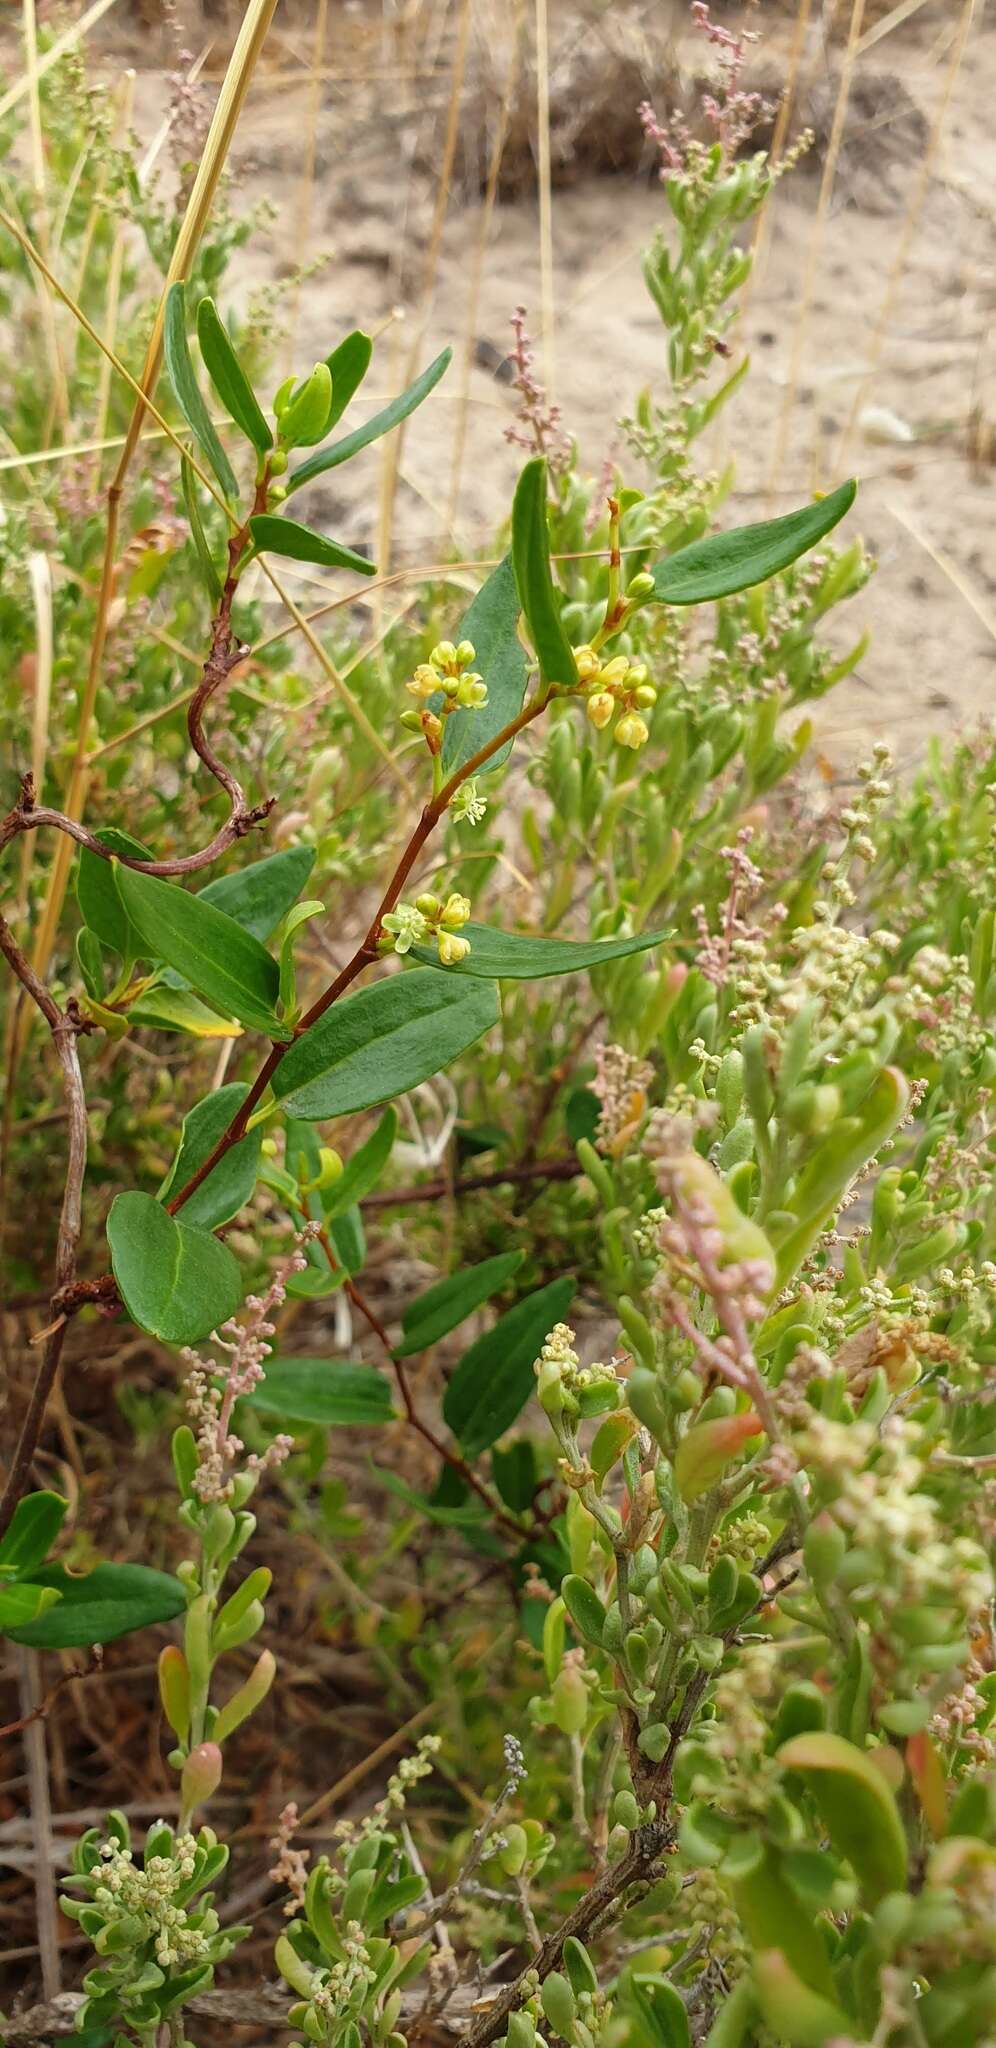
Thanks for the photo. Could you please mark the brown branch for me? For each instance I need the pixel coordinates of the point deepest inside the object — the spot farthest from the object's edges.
(44, 1707)
(65, 1027)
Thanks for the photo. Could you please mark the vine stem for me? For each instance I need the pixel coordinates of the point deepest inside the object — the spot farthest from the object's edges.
(366, 952)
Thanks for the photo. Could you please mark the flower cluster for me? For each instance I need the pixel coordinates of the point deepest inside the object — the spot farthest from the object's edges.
(620, 1082)
(563, 1384)
(617, 688)
(429, 917)
(446, 682)
(126, 1892)
(210, 1407)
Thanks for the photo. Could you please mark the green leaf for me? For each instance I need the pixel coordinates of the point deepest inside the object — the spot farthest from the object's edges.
(661, 2009)
(531, 561)
(856, 1807)
(515, 956)
(584, 1607)
(708, 1448)
(796, 2014)
(176, 1282)
(212, 580)
(382, 422)
(229, 378)
(258, 896)
(187, 392)
(225, 964)
(348, 1239)
(275, 535)
(301, 914)
(323, 1390)
(230, 1184)
(495, 1378)
(349, 364)
(21, 1603)
(516, 1478)
(771, 1912)
(97, 892)
(491, 626)
(446, 1304)
(382, 1042)
(175, 1009)
(32, 1530)
(364, 1169)
(109, 1601)
(727, 562)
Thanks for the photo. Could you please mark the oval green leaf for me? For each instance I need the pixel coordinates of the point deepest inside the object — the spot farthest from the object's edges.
(443, 1306)
(229, 1186)
(97, 892)
(108, 1602)
(225, 964)
(515, 956)
(175, 1282)
(323, 1390)
(229, 378)
(21, 1603)
(727, 562)
(492, 627)
(275, 535)
(258, 896)
(856, 1807)
(531, 562)
(187, 391)
(379, 1043)
(382, 422)
(33, 1528)
(348, 364)
(495, 1378)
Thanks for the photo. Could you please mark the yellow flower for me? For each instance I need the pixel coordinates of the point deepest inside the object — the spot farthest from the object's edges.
(452, 949)
(600, 707)
(631, 731)
(455, 912)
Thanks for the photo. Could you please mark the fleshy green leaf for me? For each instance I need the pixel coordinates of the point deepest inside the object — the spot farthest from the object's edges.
(21, 1603)
(491, 626)
(33, 1528)
(364, 1169)
(109, 1601)
(224, 963)
(229, 378)
(495, 1378)
(727, 562)
(382, 422)
(275, 535)
(97, 892)
(349, 364)
(446, 1304)
(796, 2014)
(661, 2008)
(531, 561)
(176, 1282)
(584, 1607)
(515, 956)
(323, 1390)
(229, 1186)
(187, 392)
(771, 1912)
(856, 1807)
(383, 1041)
(707, 1448)
(258, 896)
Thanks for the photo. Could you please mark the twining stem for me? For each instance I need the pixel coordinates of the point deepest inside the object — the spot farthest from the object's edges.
(65, 1027)
(366, 952)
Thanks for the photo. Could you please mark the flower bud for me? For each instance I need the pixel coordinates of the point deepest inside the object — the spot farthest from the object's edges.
(631, 731)
(587, 663)
(444, 656)
(278, 462)
(428, 904)
(455, 912)
(641, 587)
(305, 418)
(201, 1775)
(645, 697)
(600, 707)
(277, 493)
(466, 653)
(452, 949)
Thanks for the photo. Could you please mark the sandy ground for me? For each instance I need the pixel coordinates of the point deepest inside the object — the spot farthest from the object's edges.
(927, 502)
